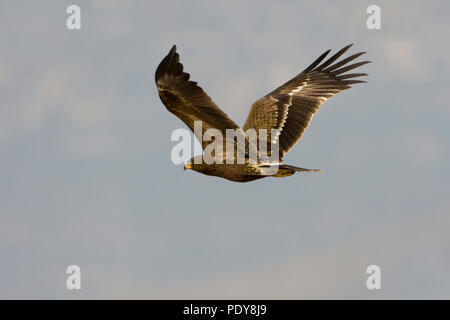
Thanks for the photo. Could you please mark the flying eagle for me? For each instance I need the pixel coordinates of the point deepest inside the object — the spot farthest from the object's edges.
(285, 112)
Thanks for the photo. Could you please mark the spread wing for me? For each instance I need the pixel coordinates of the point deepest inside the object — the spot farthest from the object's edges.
(186, 100)
(289, 108)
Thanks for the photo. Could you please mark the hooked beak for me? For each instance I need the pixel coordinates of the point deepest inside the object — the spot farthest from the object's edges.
(187, 166)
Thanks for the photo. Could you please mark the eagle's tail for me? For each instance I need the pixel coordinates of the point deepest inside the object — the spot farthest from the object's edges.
(282, 170)
(286, 170)
(297, 169)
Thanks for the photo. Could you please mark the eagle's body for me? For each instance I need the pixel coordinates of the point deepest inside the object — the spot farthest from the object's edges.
(234, 172)
(284, 114)
(245, 172)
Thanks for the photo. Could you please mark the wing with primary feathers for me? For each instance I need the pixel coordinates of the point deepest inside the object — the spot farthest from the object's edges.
(186, 100)
(289, 108)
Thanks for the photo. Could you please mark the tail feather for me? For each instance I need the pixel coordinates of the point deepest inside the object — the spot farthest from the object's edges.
(297, 169)
(283, 170)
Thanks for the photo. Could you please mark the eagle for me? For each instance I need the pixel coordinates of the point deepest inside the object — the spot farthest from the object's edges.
(282, 115)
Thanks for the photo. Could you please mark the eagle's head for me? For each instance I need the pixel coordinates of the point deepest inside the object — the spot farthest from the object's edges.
(194, 163)
(199, 164)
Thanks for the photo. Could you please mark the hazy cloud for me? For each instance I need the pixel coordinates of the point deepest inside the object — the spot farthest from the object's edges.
(86, 176)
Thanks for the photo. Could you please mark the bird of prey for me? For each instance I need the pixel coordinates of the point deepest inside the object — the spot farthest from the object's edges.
(286, 112)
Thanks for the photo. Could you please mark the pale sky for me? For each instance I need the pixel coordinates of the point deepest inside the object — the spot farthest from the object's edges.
(86, 176)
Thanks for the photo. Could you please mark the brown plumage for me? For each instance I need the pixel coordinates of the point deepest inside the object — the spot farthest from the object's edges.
(288, 110)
